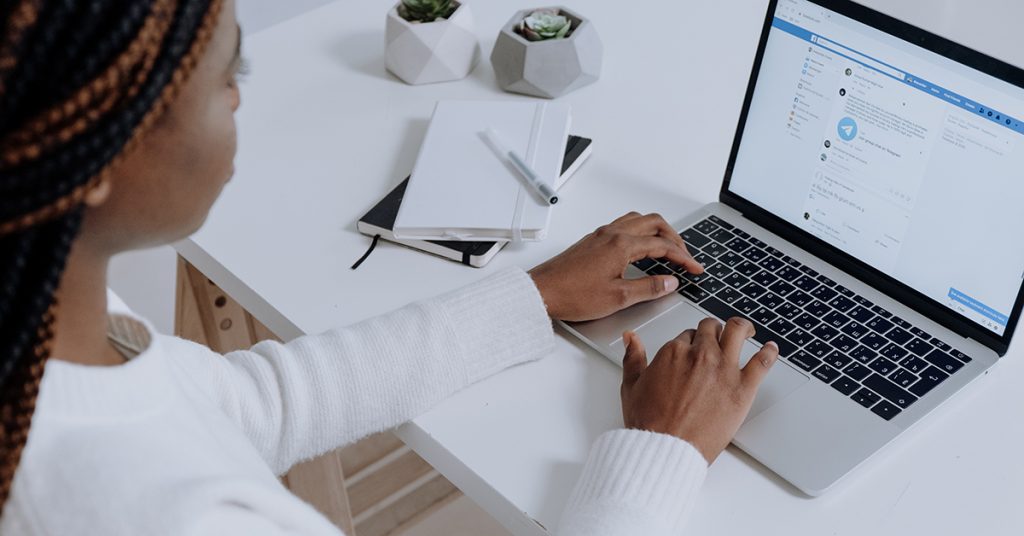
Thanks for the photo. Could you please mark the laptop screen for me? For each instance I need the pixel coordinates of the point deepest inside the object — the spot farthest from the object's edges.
(898, 156)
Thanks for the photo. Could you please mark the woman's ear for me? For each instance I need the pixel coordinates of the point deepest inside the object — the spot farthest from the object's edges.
(98, 194)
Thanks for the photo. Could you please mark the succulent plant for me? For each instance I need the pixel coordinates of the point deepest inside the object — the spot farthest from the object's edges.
(426, 10)
(545, 24)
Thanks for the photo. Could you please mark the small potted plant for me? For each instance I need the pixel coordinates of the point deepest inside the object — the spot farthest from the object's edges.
(547, 53)
(431, 41)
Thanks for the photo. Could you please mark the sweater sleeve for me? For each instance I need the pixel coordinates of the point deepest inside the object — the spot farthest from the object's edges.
(297, 400)
(634, 482)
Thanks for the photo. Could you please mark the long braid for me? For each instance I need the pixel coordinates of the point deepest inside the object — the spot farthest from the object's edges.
(120, 64)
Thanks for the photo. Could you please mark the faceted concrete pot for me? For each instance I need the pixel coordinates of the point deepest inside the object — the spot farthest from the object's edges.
(429, 52)
(549, 68)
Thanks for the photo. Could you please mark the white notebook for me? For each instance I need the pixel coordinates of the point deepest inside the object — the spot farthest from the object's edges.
(461, 190)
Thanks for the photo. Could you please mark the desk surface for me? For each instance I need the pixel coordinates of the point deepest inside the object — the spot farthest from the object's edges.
(325, 133)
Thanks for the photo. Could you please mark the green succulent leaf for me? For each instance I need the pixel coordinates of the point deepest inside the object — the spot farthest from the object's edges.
(426, 10)
(545, 24)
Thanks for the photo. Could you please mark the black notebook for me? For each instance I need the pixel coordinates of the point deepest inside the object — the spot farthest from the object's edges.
(379, 221)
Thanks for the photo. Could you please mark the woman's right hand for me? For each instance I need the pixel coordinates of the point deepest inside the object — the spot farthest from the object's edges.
(694, 388)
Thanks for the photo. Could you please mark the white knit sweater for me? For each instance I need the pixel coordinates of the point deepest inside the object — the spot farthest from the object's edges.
(181, 440)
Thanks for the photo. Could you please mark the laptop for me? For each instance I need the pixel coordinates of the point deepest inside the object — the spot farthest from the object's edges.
(867, 223)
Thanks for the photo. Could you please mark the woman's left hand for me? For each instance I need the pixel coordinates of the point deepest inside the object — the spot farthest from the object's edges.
(587, 282)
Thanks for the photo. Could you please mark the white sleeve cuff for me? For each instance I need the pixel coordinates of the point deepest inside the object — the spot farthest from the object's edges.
(635, 482)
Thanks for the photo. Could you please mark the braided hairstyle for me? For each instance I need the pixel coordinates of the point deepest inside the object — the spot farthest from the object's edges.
(80, 82)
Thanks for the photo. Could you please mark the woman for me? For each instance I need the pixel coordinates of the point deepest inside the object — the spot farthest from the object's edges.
(116, 133)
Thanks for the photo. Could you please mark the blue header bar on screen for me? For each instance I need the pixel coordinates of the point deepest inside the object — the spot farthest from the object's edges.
(976, 305)
(1012, 123)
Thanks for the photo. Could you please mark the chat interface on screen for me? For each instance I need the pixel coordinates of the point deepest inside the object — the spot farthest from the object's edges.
(898, 156)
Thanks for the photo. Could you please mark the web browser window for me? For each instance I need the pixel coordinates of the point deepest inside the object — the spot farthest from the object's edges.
(898, 156)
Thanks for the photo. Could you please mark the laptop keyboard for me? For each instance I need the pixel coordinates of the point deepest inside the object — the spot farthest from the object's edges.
(866, 353)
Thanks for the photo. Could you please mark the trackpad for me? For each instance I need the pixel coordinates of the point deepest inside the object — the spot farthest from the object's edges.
(782, 380)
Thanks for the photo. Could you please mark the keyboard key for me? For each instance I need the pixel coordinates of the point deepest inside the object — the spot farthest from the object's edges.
(809, 271)
(711, 285)
(940, 345)
(781, 326)
(800, 298)
(843, 343)
(754, 290)
(758, 243)
(730, 259)
(693, 238)
(914, 364)
(805, 360)
(773, 252)
(902, 323)
(645, 264)
(824, 293)
(895, 353)
(863, 354)
(863, 301)
(874, 341)
(788, 311)
(825, 332)
(826, 373)
(677, 268)
(899, 336)
(929, 379)
(959, 355)
(754, 254)
(903, 378)
(694, 278)
(865, 398)
(845, 385)
(854, 329)
(837, 360)
(879, 325)
(704, 259)
(806, 283)
(764, 278)
(746, 306)
(659, 269)
(885, 410)
(722, 236)
(919, 347)
(790, 261)
(728, 295)
(918, 332)
(818, 349)
(737, 244)
(826, 281)
(799, 337)
(817, 308)
(763, 316)
(857, 371)
(845, 291)
(741, 234)
(788, 273)
(706, 227)
(715, 250)
(718, 221)
(861, 314)
(736, 280)
(747, 268)
(807, 321)
(882, 366)
(771, 264)
(718, 270)
(890, 391)
(770, 300)
(944, 361)
(836, 319)
(694, 293)
(842, 303)
(881, 312)
(782, 288)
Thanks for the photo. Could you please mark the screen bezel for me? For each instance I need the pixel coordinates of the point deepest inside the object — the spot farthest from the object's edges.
(892, 287)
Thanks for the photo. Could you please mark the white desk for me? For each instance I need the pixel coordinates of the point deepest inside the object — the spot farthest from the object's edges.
(325, 132)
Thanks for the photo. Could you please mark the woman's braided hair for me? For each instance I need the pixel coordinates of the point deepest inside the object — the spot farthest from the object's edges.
(80, 82)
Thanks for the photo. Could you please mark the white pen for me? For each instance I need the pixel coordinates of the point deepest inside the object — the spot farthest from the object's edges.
(530, 177)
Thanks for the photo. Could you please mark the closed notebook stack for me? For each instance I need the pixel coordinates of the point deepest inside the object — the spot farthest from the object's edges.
(380, 220)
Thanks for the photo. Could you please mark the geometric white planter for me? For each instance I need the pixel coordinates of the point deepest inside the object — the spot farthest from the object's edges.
(439, 51)
(549, 68)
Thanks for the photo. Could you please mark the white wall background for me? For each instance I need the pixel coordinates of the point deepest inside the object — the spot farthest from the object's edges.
(145, 280)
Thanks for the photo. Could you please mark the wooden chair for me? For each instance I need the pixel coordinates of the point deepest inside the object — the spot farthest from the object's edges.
(388, 488)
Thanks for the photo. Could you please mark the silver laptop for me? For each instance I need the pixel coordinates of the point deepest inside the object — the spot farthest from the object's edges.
(868, 222)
